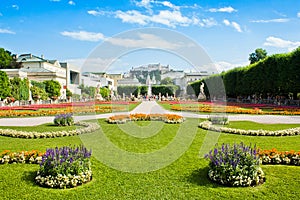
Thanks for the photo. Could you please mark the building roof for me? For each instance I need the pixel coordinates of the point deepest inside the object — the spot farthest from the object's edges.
(30, 58)
(35, 70)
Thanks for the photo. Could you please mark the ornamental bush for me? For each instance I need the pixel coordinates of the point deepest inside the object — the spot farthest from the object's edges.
(236, 165)
(221, 120)
(64, 120)
(65, 167)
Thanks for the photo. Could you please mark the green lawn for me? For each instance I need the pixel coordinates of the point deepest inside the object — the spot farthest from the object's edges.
(186, 178)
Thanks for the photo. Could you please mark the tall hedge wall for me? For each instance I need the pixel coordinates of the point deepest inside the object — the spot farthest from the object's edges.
(278, 74)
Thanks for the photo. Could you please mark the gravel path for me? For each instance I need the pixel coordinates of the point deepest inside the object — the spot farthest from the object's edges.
(148, 107)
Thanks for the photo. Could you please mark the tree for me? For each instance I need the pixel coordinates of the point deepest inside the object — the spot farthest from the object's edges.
(38, 93)
(52, 88)
(5, 58)
(19, 88)
(69, 94)
(258, 55)
(166, 81)
(5, 90)
(8, 61)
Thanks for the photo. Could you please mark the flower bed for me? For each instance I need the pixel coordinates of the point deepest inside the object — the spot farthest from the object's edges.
(28, 157)
(87, 127)
(167, 118)
(65, 167)
(236, 108)
(236, 165)
(280, 157)
(207, 125)
(64, 120)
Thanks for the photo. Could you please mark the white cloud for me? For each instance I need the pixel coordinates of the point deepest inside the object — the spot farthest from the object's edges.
(132, 16)
(167, 14)
(165, 17)
(280, 43)
(298, 14)
(209, 22)
(228, 9)
(170, 5)
(279, 20)
(15, 7)
(55, 0)
(144, 40)
(84, 35)
(225, 66)
(72, 3)
(6, 31)
(235, 25)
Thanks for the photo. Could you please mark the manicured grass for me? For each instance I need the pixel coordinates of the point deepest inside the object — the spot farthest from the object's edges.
(41, 128)
(186, 178)
(248, 125)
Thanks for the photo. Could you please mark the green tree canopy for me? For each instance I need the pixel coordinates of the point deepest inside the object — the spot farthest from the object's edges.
(52, 88)
(5, 58)
(258, 55)
(167, 81)
(5, 90)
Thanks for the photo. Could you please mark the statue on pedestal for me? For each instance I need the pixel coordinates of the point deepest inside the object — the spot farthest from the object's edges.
(201, 96)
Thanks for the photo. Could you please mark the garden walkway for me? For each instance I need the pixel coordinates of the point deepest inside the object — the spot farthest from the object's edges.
(148, 107)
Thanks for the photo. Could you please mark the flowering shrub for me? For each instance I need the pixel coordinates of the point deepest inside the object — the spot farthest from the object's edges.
(221, 120)
(65, 167)
(64, 120)
(167, 118)
(30, 157)
(207, 125)
(87, 127)
(276, 157)
(236, 165)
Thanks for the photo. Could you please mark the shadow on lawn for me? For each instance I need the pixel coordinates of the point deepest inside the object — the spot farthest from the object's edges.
(29, 177)
(199, 177)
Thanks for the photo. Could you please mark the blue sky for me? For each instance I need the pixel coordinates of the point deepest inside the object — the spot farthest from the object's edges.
(71, 30)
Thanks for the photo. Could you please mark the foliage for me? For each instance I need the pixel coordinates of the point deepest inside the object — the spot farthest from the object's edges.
(65, 164)
(38, 93)
(164, 89)
(127, 90)
(105, 92)
(38, 84)
(5, 90)
(236, 165)
(167, 81)
(52, 88)
(68, 93)
(64, 120)
(87, 91)
(258, 55)
(216, 119)
(5, 58)
(19, 88)
(275, 75)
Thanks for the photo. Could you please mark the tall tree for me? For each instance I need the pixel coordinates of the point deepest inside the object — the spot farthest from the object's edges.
(258, 55)
(5, 90)
(5, 58)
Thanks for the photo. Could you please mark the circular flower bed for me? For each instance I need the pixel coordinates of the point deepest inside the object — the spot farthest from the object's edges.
(65, 167)
(167, 118)
(236, 165)
(87, 127)
(207, 125)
